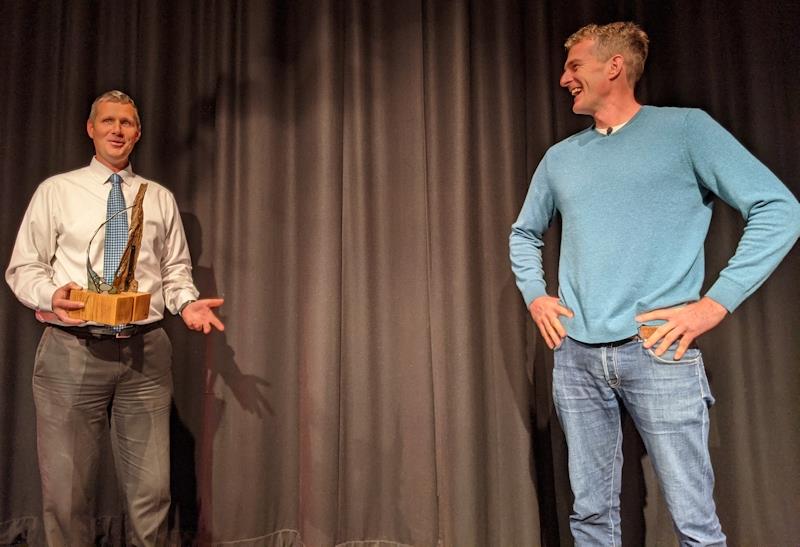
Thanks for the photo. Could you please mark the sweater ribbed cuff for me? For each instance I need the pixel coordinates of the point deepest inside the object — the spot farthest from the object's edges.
(532, 291)
(728, 293)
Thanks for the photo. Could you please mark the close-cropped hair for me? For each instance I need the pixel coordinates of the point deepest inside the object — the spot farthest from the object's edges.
(115, 96)
(623, 38)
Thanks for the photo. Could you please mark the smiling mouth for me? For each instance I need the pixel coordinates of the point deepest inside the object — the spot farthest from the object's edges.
(575, 90)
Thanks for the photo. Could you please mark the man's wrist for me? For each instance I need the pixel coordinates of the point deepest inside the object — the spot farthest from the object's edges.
(183, 306)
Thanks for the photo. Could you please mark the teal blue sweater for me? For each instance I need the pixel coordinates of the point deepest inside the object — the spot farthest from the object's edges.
(635, 208)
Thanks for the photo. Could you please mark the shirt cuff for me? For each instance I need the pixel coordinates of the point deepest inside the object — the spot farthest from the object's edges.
(44, 296)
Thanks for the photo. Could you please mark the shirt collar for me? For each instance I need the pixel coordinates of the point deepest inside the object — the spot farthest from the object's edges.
(103, 172)
(613, 128)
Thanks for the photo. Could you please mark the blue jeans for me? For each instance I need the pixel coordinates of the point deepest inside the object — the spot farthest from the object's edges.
(668, 401)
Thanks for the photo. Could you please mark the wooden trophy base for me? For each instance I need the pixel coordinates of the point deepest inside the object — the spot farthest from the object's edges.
(110, 309)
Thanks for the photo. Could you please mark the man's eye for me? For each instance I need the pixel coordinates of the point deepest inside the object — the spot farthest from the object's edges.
(126, 123)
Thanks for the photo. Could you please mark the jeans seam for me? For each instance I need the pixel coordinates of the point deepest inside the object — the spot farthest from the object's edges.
(603, 354)
(612, 382)
(700, 383)
(617, 447)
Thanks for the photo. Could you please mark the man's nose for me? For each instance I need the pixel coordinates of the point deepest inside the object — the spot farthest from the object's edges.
(565, 79)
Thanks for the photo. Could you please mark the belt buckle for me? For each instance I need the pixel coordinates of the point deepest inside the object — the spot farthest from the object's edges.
(126, 332)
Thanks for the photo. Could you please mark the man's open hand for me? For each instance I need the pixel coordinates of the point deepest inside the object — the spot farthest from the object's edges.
(199, 315)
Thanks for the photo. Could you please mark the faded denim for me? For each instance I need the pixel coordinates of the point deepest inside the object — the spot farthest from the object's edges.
(668, 401)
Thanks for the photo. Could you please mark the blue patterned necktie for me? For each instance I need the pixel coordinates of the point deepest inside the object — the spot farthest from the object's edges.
(116, 229)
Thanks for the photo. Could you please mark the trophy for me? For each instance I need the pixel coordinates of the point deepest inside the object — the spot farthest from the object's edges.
(118, 303)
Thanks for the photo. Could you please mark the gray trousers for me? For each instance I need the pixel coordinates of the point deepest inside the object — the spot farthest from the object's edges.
(74, 381)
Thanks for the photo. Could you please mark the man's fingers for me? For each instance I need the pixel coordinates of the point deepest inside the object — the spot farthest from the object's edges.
(661, 313)
(62, 293)
(213, 302)
(62, 304)
(657, 335)
(544, 331)
(650, 316)
(564, 311)
(667, 341)
(552, 331)
(211, 320)
(71, 321)
(655, 315)
(217, 323)
(559, 328)
(68, 304)
(206, 324)
(684, 344)
(545, 335)
(45, 316)
(66, 319)
(64, 289)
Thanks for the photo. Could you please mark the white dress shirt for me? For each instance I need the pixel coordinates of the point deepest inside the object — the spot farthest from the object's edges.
(64, 212)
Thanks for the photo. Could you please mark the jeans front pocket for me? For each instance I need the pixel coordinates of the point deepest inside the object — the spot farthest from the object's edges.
(692, 356)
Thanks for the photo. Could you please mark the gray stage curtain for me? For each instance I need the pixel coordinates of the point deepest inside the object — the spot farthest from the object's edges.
(348, 172)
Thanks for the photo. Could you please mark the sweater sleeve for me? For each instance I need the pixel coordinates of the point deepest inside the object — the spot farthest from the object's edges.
(771, 211)
(526, 240)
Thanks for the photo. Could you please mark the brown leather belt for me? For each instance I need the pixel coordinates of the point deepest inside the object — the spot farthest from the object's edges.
(100, 332)
(645, 332)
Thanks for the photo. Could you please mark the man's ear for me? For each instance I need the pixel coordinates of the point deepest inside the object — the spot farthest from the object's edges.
(616, 66)
(90, 128)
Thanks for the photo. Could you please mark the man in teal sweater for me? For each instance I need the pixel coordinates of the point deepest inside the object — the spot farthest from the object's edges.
(634, 193)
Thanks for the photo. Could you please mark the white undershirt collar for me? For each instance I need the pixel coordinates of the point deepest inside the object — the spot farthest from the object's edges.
(610, 130)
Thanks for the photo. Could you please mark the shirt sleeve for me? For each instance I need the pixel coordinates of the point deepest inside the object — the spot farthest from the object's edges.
(29, 273)
(770, 210)
(526, 239)
(176, 263)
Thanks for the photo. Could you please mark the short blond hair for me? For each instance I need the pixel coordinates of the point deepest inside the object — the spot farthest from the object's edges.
(623, 38)
(115, 96)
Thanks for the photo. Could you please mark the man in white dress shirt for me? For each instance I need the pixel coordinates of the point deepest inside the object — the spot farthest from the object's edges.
(82, 368)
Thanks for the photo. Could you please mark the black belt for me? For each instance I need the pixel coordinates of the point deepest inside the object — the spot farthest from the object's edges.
(644, 332)
(102, 332)
(613, 344)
